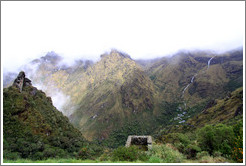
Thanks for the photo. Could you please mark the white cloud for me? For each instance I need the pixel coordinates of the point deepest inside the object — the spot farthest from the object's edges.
(142, 29)
(59, 99)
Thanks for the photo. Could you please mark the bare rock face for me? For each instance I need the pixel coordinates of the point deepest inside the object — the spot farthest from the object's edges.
(21, 81)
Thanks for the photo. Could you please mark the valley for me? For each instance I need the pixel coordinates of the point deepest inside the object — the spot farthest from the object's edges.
(97, 105)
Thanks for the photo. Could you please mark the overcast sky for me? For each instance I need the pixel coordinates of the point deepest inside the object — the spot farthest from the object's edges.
(141, 29)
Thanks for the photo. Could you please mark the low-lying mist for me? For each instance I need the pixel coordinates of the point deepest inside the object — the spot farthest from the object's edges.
(36, 70)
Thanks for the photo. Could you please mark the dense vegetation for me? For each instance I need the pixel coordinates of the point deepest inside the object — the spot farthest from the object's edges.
(172, 148)
(216, 131)
(33, 128)
(211, 140)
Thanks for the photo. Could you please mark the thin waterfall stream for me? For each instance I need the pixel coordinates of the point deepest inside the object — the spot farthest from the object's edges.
(209, 62)
(192, 79)
(186, 87)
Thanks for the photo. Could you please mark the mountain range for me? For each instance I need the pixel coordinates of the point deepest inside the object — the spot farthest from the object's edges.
(117, 96)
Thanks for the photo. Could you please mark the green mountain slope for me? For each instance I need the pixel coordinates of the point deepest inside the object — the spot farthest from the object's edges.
(116, 90)
(172, 75)
(228, 110)
(223, 110)
(33, 127)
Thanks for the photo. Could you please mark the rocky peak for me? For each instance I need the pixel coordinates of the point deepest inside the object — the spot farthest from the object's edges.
(115, 52)
(21, 81)
(122, 54)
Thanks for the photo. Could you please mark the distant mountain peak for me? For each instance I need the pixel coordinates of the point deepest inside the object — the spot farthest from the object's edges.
(116, 52)
(50, 57)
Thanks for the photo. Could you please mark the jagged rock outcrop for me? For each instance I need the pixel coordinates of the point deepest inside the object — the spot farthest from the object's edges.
(22, 81)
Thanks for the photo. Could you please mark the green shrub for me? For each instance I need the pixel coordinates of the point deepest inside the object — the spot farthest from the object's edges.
(180, 146)
(183, 143)
(166, 153)
(84, 153)
(61, 153)
(91, 151)
(95, 150)
(49, 152)
(179, 140)
(106, 155)
(217, 154)
(201, 154)
(155, 159)
(237, 153)
(131, 153)
(11, 155)
(216, 138)
(191, 151)
(38, 156)
(183, 138)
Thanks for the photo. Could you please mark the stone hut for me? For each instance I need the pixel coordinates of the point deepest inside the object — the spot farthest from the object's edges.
(139, 140)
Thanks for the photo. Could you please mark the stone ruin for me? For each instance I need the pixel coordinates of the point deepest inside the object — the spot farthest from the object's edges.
(21, 81)
(143, 141)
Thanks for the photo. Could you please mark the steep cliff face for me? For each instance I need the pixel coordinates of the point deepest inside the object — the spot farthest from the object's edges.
(32, 126)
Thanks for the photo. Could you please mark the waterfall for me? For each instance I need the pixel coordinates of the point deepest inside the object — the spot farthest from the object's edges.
(191, 81)
(185, 88)
(209, 61)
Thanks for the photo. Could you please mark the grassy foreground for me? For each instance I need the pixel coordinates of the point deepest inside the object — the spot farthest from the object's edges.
(204, 160)
(158, 154)
(65, 161)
